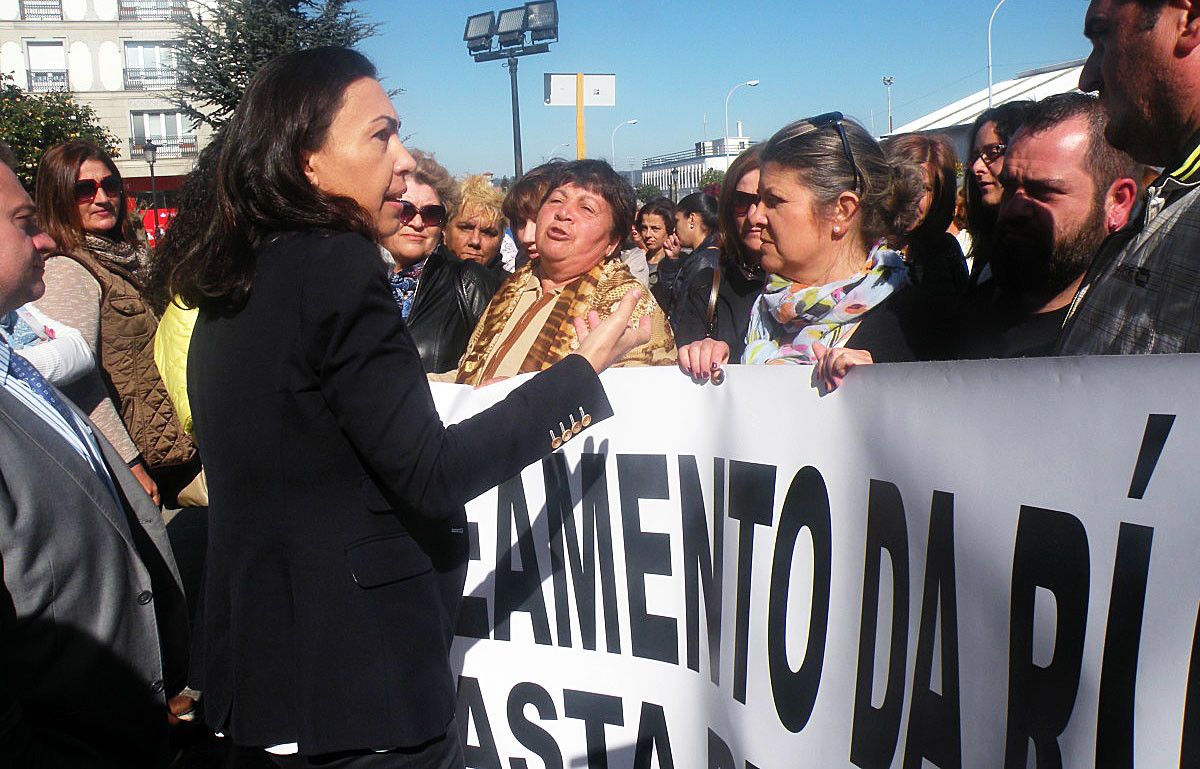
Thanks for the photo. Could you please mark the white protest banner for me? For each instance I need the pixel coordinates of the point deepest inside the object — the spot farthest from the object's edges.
(981, 564)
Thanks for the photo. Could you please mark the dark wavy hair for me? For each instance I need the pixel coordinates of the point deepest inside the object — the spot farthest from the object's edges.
(815, 152)
(57, 173)
(1008, 117)
(703, 205)
(937, 154)
(659, 207)
(260, 187)
(197, 205)
(599, 177)
(734, 250)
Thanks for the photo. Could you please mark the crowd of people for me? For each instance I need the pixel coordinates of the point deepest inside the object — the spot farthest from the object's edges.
(270, 362)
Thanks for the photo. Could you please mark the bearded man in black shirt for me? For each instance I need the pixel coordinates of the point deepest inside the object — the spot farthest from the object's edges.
(1066, 189)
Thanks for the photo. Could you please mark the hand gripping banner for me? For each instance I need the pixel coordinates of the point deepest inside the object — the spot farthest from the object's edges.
(982, 564)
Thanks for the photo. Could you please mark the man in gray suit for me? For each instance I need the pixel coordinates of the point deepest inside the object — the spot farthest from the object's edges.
(93, 624)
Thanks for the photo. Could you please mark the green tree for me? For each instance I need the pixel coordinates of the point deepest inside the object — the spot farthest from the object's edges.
(225, 44)
(710, 177)
(648, 192)
(31, 123)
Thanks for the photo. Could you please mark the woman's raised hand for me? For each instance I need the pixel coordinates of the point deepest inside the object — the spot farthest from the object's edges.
(703, 359)
(604, 342)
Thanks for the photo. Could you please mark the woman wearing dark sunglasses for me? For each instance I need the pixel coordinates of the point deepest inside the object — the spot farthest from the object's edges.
(97, 285)
(834, 295)
(439, 295)
(988, 141)
(737, 283)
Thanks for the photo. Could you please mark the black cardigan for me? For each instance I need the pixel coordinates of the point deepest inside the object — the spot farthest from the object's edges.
(337, 540)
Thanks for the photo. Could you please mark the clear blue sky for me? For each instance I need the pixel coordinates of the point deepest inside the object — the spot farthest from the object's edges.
(675, 61)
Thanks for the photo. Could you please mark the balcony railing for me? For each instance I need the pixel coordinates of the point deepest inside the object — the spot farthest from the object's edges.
(156, 79)
(41, 10)
(41, 81)
(168, 147)
(151, 10)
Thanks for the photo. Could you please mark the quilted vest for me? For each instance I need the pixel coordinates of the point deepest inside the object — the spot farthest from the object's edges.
(127, 327)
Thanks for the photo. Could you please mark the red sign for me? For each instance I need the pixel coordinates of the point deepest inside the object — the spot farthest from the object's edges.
(165, 215)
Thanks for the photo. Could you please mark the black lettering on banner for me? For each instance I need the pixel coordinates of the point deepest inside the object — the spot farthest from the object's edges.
(643, 476)
(1189, 753)
(806, 506)
(517, 590)
(1122, 640)
(597, 538)
(703, 560)
(472, 710)
(652, 739)
(877, 730)
(1052, 553)
(536, 739)
(935, 720)
(752, 502)
(473, 611)
(595, 710)
(719, 754)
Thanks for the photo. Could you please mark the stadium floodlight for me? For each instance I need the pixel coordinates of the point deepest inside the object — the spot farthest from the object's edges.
(479, 32)
(541, 20)
(510, 27)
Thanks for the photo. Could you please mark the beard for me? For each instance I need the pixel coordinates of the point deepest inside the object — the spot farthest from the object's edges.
(1039, 265)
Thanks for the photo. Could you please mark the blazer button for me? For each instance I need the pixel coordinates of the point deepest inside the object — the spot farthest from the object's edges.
(157, 686)
(145, 597)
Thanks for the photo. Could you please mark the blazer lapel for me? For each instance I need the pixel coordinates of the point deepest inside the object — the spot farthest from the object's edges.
(75, 467)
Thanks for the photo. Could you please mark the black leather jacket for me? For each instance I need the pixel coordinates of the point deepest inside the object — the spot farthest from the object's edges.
(451, 297)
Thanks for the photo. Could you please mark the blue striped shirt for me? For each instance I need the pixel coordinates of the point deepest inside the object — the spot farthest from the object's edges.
(79, 437)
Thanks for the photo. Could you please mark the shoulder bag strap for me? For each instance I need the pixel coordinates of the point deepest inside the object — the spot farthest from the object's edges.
(710, 323)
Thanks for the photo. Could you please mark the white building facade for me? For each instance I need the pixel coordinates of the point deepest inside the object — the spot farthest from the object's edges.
(679, 173)
(117, 57)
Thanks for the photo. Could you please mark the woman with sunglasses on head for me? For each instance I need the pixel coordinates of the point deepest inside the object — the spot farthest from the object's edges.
(988, 141)
(725, 315)
(97, 285)
(337, 545)
(834, 295)
(440, 296)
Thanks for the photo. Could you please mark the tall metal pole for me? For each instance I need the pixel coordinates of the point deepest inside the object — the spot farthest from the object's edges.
(516, 114)
(154, 202)
(613, 139)
(993, 18)
(887, 82)
(725, 147)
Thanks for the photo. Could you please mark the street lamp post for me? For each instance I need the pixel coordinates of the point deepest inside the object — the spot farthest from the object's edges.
(993, 18)
(554, 151)
(613, 139)
(674, 185)
(513, 32)
(150, 154)
(725, 147)
(888, 81)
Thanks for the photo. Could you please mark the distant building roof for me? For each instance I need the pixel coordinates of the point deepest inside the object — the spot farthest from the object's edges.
(1035, 84)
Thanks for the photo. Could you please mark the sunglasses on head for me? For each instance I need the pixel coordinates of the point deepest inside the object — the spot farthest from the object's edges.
(741, 202)
(989, 152)
(432, 215)
(835, 119)
(85, 189)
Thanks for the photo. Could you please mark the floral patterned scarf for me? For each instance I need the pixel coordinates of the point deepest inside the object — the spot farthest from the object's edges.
(788, 319)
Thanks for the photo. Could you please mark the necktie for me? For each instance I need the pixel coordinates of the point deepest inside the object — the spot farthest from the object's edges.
(24, 370)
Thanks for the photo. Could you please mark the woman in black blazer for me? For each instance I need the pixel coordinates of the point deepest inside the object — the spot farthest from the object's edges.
(337, 539)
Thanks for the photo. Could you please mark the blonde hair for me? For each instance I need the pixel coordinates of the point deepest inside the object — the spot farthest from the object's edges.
(480, 197)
